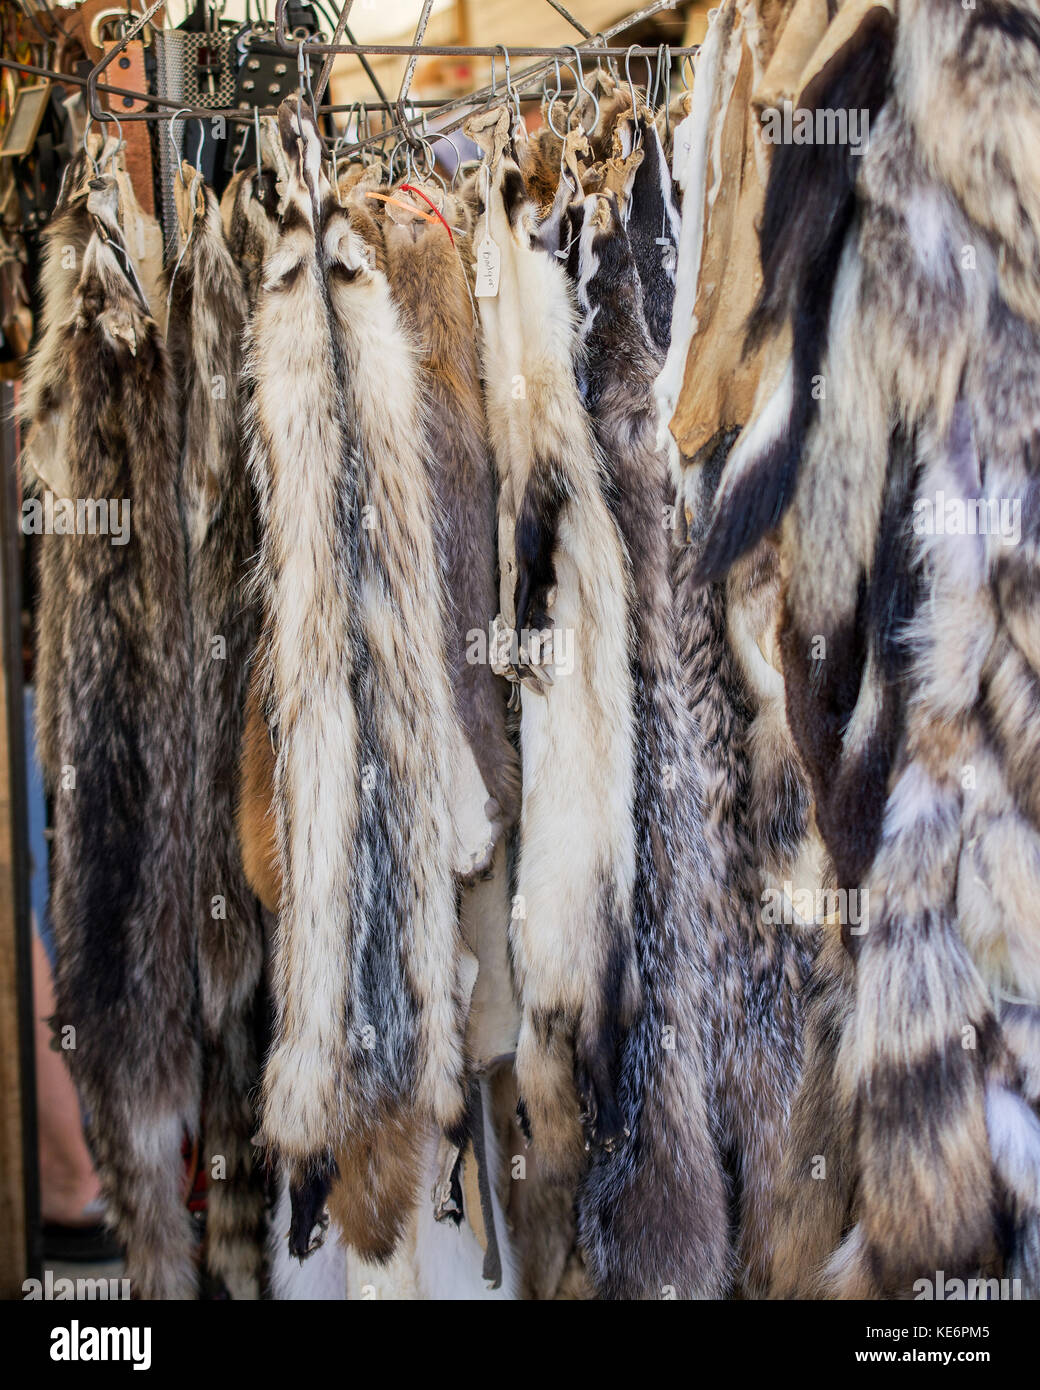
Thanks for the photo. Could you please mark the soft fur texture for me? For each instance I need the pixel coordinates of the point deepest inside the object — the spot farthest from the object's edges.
(652, 1212)
(913, 709)
(562, 568)
(121, 693)
(368, 1026)
(207, 317)
(428, 279)
(757, 969)
(809, 204)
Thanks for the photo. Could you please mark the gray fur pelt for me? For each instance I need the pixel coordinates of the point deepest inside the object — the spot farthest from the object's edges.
(368, 1021)
(652, 1209)
(757, 969)
(563, 572)
(119, 762)
(207, 319)
(44, 416)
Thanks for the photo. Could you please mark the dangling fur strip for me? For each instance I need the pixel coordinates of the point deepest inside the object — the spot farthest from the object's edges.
(207, 318)
(121, 865)
(652, 1212)
(428, 279)
(368, 1028)
(562, 571)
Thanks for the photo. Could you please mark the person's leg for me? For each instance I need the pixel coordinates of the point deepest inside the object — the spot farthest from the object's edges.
(69, 1190)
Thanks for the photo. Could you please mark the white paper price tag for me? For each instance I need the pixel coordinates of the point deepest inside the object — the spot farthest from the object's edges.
(681, 142)
(489, 267)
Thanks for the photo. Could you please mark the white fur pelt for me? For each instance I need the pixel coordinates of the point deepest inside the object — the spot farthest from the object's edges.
(368, 1026)
(563, 574)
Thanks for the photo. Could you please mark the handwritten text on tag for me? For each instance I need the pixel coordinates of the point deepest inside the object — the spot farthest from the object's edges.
(489, 267)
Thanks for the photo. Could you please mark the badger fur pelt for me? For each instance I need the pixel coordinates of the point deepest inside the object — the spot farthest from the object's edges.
(653, 1211)
(355, 692)
(652, 222)
(563, 574)
(118, 760)
(206, 321)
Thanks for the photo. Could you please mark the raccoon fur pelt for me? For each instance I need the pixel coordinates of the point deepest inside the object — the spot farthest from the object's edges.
(653, 1211)
(119, 764)
(206, 322)
(563, 573)
(751, 822)
(355, 691)
(44, 417)
(427, 274)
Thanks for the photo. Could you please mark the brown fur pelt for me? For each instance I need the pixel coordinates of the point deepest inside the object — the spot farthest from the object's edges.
(563, 573)
(653, 1211)
(368, 1026)
(121, 771)
(428, 280)
(207, 318)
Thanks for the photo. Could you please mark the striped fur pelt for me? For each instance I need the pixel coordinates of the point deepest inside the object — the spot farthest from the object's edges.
(119, 763)
(653, 1210)
(356, 694)
(563, 574)
(206, 322)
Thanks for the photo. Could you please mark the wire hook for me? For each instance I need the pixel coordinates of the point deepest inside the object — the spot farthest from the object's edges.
(173, 142)
(579, 74)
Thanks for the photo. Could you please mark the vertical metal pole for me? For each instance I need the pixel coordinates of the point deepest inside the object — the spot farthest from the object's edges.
(16, 924)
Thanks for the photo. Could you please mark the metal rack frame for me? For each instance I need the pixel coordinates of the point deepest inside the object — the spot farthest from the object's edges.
(592, 47)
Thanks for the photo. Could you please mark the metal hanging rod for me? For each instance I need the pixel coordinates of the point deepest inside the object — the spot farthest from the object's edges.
(594, 47)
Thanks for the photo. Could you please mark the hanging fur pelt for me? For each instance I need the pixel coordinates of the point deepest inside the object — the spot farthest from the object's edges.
(652, 222)
(249, 214)
(427, 275)
(44, 415)
(207, 317)
(652, 1212)
(355, 692)
(757, 968)
(121, 770)
(563, 574)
